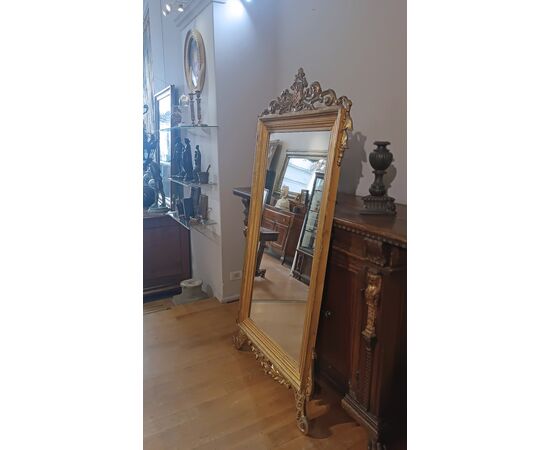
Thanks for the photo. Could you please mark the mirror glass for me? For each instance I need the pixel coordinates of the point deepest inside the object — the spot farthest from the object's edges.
(296, 162)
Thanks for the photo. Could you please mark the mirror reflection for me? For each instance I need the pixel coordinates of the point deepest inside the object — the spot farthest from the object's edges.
(296, 163)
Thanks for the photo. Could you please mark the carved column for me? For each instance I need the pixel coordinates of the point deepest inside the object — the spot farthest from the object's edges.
(372, 299)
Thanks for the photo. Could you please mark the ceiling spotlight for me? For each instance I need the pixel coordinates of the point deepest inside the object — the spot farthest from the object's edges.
(180, 7)
(164, 13)
(168, 7)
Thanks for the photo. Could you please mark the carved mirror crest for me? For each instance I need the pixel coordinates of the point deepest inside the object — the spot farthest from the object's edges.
(279, 312)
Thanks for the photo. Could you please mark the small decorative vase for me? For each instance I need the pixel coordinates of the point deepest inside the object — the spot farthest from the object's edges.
(378, 202)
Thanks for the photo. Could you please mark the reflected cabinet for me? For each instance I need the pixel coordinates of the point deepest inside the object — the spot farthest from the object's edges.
(304, 253)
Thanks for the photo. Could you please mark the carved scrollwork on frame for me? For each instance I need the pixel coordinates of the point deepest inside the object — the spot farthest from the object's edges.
(239, 339)
(302, 96)
(268, 366)
(301, 397)
(348, 126)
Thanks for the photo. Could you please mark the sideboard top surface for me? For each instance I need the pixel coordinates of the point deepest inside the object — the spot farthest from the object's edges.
(347, 214)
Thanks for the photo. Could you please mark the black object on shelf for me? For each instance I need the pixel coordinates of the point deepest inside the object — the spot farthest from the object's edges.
(379, 202)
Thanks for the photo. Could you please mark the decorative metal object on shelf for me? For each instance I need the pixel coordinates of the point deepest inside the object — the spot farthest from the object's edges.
(187, 160)
(379, 202)
(192, 107)
(150, 143)
(178, 159)
(155, 182)
(199, 113)
(197, 161)
(203, 207)
(204, 176)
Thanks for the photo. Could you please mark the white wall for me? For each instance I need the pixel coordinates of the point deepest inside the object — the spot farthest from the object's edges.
(358, 48)
(245, 55)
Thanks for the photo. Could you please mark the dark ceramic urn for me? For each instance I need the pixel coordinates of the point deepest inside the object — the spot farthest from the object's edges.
(380, 159)
(378, 202)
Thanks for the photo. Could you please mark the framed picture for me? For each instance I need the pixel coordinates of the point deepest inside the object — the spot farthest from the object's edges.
(194, 60)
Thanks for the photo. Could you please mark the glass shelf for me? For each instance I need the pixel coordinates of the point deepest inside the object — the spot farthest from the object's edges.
(188, 126)
(191, 183)
(190, 223)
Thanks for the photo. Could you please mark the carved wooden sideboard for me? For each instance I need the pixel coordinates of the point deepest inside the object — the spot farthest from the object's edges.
(361, 342)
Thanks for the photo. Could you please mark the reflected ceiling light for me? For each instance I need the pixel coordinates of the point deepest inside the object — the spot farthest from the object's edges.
(236, 8)
(180, 7)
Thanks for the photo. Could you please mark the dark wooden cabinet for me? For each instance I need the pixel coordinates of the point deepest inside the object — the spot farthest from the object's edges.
(361, 342)
(166, 255)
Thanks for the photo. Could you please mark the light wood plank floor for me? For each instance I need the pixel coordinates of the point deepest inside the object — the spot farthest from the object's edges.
(201, 393)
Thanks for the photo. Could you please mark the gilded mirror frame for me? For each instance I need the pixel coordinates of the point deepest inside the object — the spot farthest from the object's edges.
(303, 107)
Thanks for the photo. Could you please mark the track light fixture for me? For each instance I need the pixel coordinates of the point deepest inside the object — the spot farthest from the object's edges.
(167, 8)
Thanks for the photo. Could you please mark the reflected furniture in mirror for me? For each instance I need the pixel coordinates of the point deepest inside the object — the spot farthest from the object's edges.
(301, 268)
(278, 314)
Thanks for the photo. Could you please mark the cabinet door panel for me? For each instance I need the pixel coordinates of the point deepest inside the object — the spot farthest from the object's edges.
(333, 341)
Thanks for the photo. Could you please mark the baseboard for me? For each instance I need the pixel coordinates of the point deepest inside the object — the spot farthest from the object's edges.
(230, 298)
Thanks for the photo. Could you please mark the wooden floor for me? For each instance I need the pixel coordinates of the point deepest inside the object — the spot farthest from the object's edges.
(278, 283)
(201, 393)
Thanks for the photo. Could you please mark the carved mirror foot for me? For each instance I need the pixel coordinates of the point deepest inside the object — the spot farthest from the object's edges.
(301, 417)
(375, 445)
(239, 339)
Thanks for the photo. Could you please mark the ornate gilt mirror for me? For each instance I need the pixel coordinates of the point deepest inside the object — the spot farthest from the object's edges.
(279, 313)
